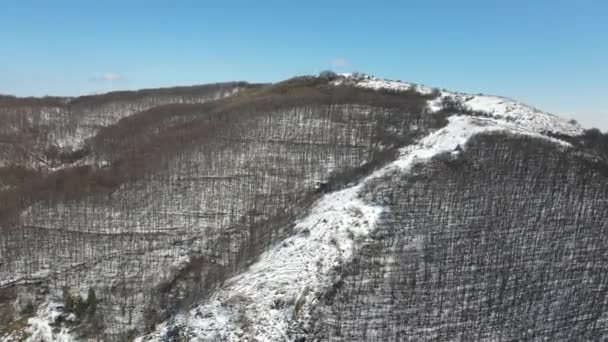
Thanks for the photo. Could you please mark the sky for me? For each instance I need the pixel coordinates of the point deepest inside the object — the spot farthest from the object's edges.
(552, 54)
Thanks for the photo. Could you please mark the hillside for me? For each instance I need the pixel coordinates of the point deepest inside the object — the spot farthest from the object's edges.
(334, 208)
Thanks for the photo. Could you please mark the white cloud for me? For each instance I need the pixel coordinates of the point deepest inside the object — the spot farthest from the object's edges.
(107, 77)
(111, 76)
(339, 62)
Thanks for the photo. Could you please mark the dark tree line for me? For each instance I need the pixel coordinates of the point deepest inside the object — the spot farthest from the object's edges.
(592, 141)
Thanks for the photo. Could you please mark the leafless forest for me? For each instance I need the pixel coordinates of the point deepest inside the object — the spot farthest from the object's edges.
(128, 207)
(504, 242)
(115, 192)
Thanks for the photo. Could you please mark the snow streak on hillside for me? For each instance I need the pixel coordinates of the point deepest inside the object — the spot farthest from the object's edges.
(276, 293)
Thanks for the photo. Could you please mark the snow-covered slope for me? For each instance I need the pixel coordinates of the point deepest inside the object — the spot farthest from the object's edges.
(272, 299)
(524, 115)
(517, 112)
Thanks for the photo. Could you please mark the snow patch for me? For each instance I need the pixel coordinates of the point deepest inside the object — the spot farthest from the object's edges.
(40, 327)
(519, 113)
(371, 82)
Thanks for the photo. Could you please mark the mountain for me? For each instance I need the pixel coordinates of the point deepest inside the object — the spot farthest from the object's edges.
(330, 207)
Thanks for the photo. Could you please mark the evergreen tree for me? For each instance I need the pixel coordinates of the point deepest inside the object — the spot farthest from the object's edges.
(92, 301)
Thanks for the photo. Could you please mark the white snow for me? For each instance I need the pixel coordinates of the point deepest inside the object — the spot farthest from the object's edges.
(458, 132)
(520, 113)
(296, 270)
(260, 303)
(371, 82)
(40, 328)
(500, 107)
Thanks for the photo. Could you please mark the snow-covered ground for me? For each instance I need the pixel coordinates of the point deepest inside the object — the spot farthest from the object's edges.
(499, 107)
(277, 292)
(371, 82)
(40, 328)
(524, 115)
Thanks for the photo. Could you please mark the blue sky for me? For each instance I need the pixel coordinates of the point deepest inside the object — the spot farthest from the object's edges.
(549, 53)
